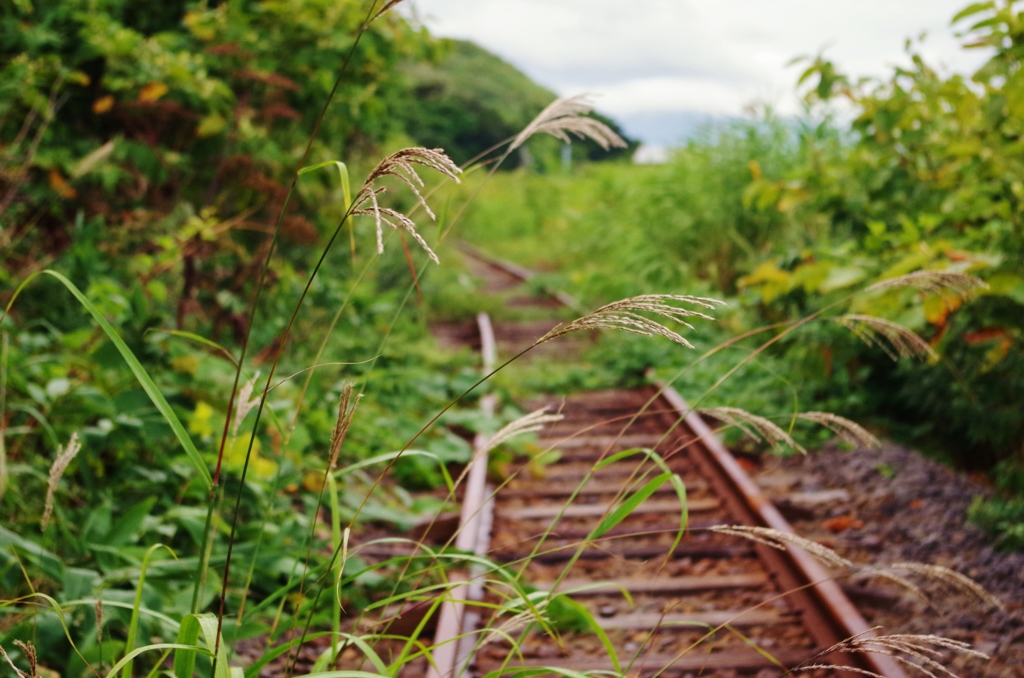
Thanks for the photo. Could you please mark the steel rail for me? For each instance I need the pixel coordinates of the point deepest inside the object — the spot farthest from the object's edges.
(453, 639)
(828, 615)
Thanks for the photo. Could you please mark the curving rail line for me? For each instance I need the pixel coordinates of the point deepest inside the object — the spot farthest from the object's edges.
(715, 606)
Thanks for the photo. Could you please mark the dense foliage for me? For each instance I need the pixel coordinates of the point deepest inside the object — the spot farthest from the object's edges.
(789, 217)
(147, 153)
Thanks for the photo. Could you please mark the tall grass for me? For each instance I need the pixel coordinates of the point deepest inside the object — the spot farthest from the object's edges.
(320, 589)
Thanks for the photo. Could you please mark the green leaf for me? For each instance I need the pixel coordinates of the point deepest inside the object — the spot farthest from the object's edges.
(677, 483)
(346, 192)
(126, 526)
(133, 625)
(130, 657)
(629, 505)
(188, 636)
(136, 367)
(584, 613)
(214, 123)
(48, 561)
(971, 9)
(327, 656)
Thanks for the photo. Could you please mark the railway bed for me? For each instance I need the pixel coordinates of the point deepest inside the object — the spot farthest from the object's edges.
(702, 603)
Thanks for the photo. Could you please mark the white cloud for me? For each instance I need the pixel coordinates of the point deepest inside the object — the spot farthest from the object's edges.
(713, 56)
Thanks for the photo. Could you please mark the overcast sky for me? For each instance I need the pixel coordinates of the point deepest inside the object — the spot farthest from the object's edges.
(658, 60)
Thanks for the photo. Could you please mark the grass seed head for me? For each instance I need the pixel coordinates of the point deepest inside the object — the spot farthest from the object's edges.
(17, 672)
(783, 540)
(919, 652)
(64, 456)
(346, 410)
(570, 115)
(403, 166)
(30, 654)
(934, 281)
(530, 423)
(753, 425)
(244, 403)
(895, 339)
(624, 315)
(850, 431)
(949, 579)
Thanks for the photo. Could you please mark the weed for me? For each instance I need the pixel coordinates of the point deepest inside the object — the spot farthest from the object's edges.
(286, 497)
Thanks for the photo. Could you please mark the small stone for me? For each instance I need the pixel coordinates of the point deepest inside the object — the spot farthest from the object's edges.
(607, 611)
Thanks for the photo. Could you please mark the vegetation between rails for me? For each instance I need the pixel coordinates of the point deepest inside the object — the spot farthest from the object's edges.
(150, 160)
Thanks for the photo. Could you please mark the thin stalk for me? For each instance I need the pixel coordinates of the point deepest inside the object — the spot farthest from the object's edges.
(204, 558)
(327, 336)
(4, 349)
(319, 504)
(252, 313)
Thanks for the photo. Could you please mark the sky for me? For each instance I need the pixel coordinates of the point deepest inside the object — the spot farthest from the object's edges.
(661, 66)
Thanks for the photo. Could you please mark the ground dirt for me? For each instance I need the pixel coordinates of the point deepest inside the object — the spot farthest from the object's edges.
(893, 505)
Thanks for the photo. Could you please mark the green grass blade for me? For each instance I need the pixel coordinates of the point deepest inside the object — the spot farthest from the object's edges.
(133, 625)
(137, 369)
(336, 546)
(677, 483)
(684, 511)
(629, 505)
(618, 456)
(345, 639)
(346, 674)
(201, 340)
(606, 642)
(130, 657)
(254, 669)
(91, 602)
(346, 194)
(188, 636)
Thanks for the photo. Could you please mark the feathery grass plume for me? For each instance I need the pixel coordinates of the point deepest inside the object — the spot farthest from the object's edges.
(346, 410)
(401, 165)
(514, 624)
(530, 423)
(885, 573)
(570, 114)
(950, 579)
(60, 464)
(850, 431)
(934, 281)
(920, 652)
(783, 540)
(625, 315)
(756, 427)
(17, 672)
(244, 403)
(30, 654)
(98, 609)
(895, 339)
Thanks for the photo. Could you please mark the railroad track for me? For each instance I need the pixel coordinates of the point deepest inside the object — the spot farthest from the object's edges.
(706, 604)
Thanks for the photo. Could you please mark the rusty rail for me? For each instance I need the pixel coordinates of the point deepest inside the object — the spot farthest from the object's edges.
(827, 614)
(456, 624)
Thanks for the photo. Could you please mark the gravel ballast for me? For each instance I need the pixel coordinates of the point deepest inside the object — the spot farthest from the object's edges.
(890, 505)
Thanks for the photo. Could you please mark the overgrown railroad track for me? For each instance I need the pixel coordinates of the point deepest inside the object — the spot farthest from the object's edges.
(713, 605)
